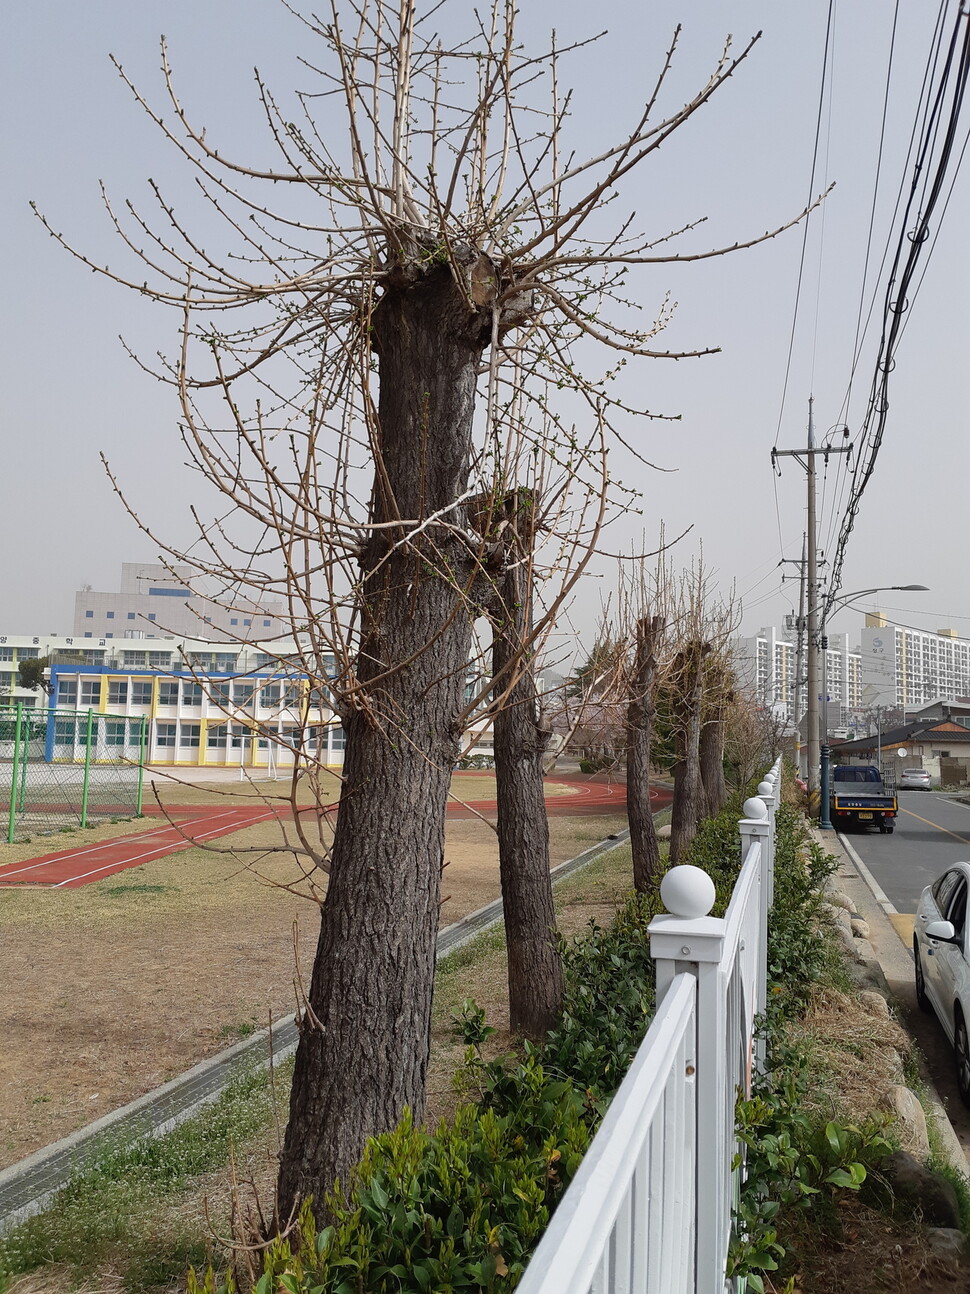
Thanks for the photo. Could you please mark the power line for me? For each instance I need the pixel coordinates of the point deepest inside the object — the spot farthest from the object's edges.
(939, 128)
(806, 224)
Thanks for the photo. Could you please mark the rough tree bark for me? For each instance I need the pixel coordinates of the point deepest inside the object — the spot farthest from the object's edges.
(365, 1029)
(520, 741)
(641, 715)
(688, 788)
(712, 758)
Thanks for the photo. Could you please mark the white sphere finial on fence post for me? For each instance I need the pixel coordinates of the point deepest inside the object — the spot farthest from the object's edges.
(687, 892)
(766, 788)
(756, 809)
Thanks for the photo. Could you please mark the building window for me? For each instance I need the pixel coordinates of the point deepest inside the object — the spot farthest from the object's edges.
(338, 739)
(6, 653)
(141, 691)
(159, 659)
(271, 694)
(67, 691)
(133, 657)
(114, 733)
(266, 624)
(89, 615)
(110, 615)
(164, 734)
(131, 615)
(65, 732)
(191, 693)
(88, 634)
(168, 692)
(242, 693)
(217, 737)
(234, 622)
(118, 692)
(247, 622)
(90, 693)
(189, 735)
(151, 615)
(220, 694)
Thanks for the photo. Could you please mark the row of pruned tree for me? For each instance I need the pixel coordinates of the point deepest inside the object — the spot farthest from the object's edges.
(379, 371)
(658, 690)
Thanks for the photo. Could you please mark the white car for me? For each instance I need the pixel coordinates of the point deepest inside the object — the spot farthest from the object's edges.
(942, 969)
(914, 779)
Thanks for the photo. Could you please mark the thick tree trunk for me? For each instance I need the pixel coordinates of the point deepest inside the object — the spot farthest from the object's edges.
(534, 963)
(688, 789)
(365, 1032)
(641, 714)
(712, 763)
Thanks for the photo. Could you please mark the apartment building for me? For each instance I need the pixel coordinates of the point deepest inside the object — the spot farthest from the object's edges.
(155, 601)
(905, 668)
(766, 664)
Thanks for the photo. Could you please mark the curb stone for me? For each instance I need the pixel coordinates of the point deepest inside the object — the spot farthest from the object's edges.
(29, 1186)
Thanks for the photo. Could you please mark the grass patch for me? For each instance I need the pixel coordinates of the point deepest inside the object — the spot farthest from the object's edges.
(108, 1212)
(114, 891)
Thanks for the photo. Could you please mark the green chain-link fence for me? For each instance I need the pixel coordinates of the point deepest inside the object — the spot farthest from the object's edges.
(65, 768)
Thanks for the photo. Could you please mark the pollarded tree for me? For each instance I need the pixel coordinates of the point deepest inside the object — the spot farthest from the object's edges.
(437, 243)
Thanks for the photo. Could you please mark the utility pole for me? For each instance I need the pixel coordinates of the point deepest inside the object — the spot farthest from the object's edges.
(798, 692)
(800, 652)
(806, 458)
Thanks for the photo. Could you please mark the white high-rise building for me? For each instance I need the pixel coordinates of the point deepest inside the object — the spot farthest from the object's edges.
(904, 668)
(767, 666)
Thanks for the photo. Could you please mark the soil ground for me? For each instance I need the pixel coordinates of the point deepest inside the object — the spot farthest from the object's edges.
(115, 988)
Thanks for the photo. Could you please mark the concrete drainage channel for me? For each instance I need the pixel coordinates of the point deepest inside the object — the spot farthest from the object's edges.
(27, 1187)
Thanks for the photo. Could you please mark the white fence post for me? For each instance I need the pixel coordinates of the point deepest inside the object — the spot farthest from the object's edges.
(768, 791)
(756, 827)
(690, 940)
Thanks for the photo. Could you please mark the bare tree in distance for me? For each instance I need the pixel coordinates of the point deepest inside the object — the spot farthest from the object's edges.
(703, 629)
(645, 612)
(521, 737)
(432, 265)
(719, 695)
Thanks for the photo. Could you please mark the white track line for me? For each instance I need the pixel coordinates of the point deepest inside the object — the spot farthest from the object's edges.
(79, 853)
(120, 865)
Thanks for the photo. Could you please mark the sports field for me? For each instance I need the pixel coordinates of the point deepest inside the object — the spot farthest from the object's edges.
(115, 986)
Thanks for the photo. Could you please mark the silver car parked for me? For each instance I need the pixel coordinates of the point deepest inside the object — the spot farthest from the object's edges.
(914, 779)
(940, 937)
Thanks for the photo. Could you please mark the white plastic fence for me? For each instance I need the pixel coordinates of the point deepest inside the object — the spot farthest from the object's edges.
(649, 1211)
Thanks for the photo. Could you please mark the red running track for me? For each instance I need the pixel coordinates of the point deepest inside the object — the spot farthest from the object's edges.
(72, 868)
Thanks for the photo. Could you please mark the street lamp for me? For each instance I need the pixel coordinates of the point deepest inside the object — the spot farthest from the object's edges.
(824, 763)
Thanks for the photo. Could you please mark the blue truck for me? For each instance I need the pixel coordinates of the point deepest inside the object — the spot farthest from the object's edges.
(859, 795)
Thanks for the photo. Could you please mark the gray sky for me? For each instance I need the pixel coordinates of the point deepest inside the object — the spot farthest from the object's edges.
(69, 391)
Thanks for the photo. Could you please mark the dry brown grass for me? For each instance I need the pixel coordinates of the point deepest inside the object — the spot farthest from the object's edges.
(114, 988)
(862, 1251)
(858, 1050)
